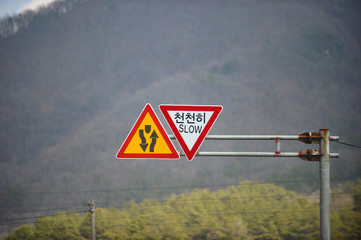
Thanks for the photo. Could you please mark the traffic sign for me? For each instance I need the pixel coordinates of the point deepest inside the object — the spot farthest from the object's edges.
(148, 139)
(190, 124)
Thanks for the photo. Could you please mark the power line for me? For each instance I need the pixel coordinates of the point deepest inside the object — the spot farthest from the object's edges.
(205, 201)
(76, 207)
(42, 211)
(192, 200)
(172, 216)
(348, 144)
(42, 205)
(167, 188)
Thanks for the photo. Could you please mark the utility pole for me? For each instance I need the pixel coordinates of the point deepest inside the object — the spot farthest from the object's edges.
(191, 141)
(321, 155)
(325, 184)
(91, 205)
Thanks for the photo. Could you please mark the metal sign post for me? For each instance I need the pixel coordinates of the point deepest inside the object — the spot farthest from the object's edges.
(325, 184)
(321, 155)
(191, 124)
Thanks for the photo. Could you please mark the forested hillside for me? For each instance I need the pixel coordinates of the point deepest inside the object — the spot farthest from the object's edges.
(248, 211)
(74, 77)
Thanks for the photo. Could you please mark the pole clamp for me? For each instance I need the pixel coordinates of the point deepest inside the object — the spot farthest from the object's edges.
(310, 137)
(312, 155)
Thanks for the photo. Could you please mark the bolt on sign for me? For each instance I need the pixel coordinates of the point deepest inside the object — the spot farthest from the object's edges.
(148, 139)
(190, 124)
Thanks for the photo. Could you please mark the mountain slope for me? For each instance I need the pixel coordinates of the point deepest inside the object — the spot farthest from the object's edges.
(76, 75)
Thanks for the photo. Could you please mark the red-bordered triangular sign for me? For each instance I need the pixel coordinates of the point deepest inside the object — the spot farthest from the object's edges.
(148, 139)
(190, 124)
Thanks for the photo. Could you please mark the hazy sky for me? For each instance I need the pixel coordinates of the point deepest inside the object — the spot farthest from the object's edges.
(10, 7)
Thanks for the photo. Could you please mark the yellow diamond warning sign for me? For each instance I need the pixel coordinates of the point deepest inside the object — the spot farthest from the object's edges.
(148, 139)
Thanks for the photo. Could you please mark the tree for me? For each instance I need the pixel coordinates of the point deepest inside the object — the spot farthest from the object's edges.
(350, 214)
(60, 227)
(25, 232)
(248, 211)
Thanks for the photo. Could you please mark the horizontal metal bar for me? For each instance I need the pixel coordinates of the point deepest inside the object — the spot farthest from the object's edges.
(248, 137)
(334, 138)
(255, 137)
(247, 154)
(252, 154)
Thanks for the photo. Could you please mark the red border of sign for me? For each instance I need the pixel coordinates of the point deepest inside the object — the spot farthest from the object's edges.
(148, 109)
(216, 109)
